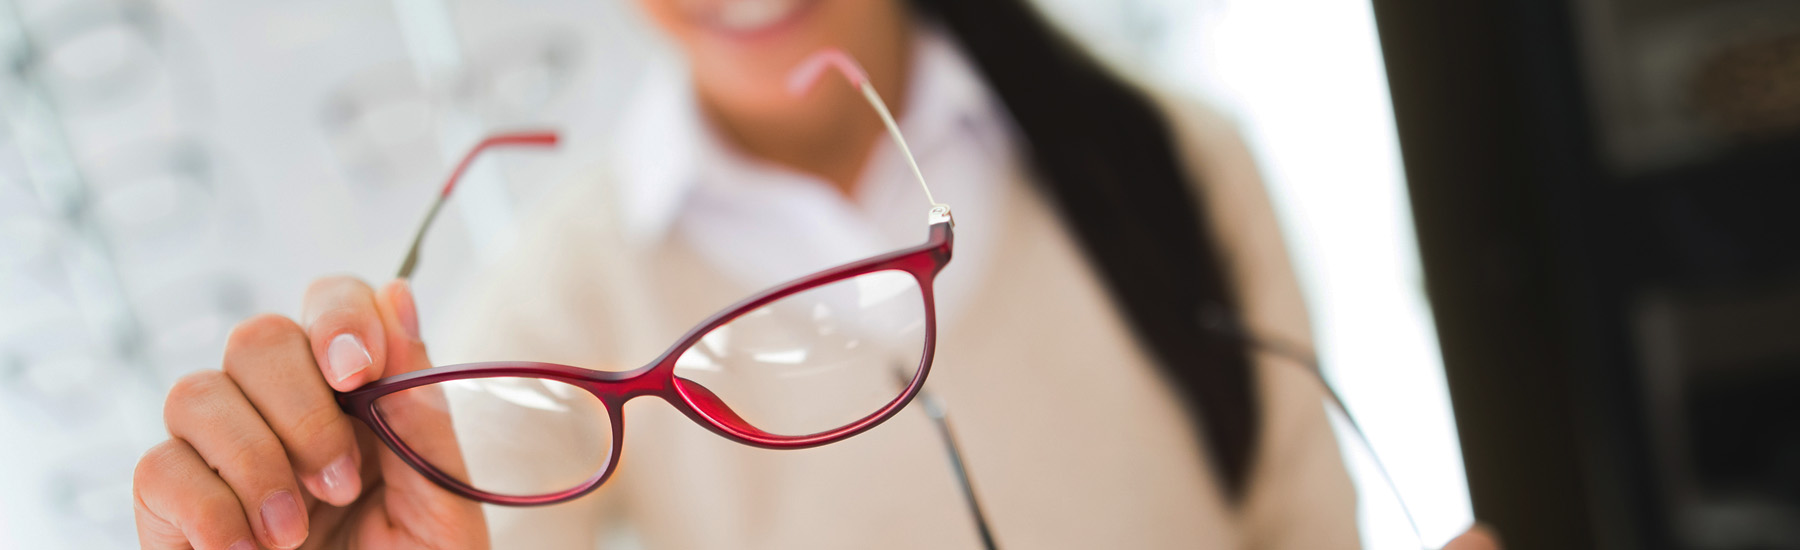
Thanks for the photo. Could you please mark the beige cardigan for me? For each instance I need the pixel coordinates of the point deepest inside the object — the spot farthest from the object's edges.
(1060, 459)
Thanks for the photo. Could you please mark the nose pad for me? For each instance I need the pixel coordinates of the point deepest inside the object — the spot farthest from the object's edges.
(708, 404)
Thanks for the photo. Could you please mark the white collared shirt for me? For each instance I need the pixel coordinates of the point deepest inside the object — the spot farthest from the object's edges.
(764, 224)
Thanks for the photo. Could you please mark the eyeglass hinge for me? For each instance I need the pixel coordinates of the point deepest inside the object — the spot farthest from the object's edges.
(940, 213)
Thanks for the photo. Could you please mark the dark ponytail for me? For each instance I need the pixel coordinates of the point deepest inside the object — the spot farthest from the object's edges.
(1105, 156)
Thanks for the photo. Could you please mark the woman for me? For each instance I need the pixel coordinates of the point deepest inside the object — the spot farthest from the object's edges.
(1113, 256)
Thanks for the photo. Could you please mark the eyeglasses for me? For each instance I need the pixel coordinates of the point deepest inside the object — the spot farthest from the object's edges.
(806, 363)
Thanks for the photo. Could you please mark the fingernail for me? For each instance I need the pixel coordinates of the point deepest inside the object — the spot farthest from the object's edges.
(282, 518)
(406, 310)
(341, 480)
(347, 357)
(243, 545)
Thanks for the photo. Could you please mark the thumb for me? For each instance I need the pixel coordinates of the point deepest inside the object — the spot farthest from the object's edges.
(400, 321)
(421, 418)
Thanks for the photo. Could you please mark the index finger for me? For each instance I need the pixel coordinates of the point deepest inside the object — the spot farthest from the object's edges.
(345, 329)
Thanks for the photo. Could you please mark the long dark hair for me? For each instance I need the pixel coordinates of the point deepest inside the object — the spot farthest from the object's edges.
(1105, 156)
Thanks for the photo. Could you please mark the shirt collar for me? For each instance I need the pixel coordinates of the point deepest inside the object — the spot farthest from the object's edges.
(669, 149)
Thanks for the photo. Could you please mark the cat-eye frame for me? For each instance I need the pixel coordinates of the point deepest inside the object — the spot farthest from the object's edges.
(806, 363)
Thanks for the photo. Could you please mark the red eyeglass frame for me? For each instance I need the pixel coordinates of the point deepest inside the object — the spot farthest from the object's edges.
(615, 388)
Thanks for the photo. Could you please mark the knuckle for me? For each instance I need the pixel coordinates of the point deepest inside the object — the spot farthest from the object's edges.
(262, 331)
(192, 390)
(158, 459)
(317, 429)
(196, 384)
(218, 504)
(252, 457)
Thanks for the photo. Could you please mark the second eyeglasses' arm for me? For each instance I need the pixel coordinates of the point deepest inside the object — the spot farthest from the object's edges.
(940, 417)
(541, 139)
(808, 72)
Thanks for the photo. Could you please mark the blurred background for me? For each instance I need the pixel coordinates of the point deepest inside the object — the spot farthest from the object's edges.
(1605, 195)
(168, 168)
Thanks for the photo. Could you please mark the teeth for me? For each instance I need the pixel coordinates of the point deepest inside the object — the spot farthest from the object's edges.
(749, 15)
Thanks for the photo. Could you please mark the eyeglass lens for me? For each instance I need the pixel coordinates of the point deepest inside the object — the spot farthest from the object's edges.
(817, 360)
(479, 431)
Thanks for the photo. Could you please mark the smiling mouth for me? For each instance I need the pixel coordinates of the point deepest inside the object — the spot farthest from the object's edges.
(745, 17)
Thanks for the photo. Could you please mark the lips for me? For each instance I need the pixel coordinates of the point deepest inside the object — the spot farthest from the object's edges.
(744, 17)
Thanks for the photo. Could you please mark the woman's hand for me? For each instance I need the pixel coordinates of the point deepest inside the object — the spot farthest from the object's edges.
(1477, 538)
(261, 456)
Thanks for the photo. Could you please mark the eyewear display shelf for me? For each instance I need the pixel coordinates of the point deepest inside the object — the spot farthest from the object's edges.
(1606, 194)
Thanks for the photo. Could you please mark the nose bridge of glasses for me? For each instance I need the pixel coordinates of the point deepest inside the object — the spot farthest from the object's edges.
(616, 388)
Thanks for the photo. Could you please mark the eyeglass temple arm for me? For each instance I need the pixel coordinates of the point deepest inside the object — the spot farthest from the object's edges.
(940, 417)
(935, 409)
(807, 74)
(540, 139)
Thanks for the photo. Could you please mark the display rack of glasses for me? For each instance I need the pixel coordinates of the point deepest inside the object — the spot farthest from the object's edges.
(1675, 83)
(130, 242)
(393, 125)
(109, 198)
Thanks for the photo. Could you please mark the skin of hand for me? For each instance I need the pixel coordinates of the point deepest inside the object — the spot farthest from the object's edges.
(1477, 538)
(260, 455)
